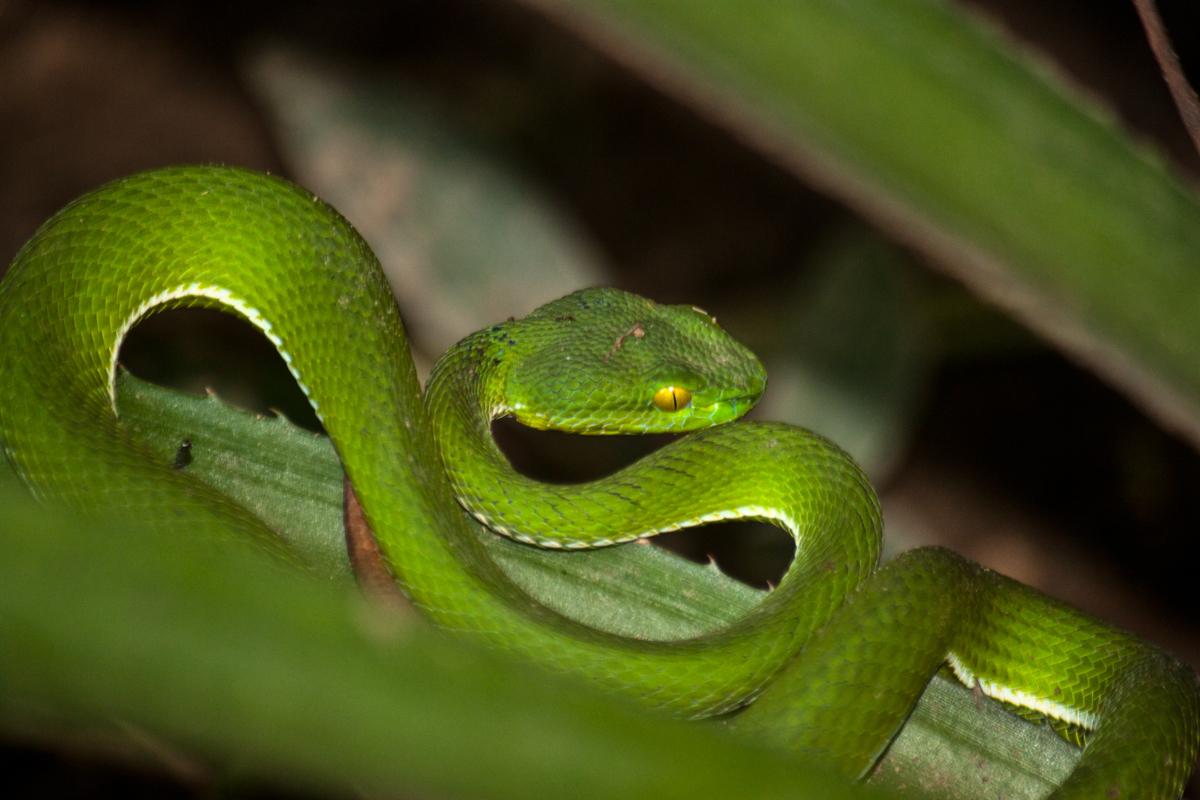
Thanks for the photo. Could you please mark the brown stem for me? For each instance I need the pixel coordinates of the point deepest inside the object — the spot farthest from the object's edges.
(1184, 95)
(374, 579)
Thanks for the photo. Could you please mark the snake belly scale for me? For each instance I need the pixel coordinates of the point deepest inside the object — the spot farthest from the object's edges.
(831, 662)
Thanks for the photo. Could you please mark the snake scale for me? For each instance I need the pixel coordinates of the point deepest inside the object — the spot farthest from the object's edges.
(831, 662)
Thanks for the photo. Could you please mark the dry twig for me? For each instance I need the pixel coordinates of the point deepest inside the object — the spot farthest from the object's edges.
(1184, 95)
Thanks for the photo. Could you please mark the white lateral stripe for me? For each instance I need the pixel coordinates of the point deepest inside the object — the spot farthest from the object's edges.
(222, 296)
(742, 512)
(1084, 719)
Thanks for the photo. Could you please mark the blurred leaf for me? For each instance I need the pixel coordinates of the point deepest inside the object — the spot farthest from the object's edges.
(941, 132)
(465, 240)
(244, 664)
(634, 590)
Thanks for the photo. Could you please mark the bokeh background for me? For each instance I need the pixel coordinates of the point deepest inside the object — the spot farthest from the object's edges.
(496, 161)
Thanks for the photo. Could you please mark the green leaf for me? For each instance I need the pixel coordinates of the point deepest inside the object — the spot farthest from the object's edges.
(955, 746)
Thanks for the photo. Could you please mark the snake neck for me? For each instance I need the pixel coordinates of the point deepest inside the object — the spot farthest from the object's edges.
(464, 394)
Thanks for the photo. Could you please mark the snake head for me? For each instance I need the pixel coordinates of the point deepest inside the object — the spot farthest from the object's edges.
(606, 361)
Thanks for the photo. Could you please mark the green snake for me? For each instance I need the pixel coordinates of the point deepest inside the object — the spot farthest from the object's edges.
(831, 662)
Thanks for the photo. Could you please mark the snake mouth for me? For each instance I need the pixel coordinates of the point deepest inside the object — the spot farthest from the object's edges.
(741, 405)
(726, 406)
(732, 402)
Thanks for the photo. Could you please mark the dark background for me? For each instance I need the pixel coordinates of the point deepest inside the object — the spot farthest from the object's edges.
(1019, 455)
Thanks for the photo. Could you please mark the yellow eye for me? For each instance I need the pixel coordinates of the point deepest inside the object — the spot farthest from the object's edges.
(672, 398)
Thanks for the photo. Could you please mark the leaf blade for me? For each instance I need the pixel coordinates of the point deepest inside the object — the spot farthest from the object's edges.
(943, 134)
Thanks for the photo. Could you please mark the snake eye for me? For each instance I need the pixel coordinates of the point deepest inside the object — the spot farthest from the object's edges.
(672, 398)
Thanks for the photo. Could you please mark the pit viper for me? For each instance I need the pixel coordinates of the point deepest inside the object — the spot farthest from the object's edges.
(831, 662)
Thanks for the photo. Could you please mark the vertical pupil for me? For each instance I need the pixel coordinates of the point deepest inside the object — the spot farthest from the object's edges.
(672, 398)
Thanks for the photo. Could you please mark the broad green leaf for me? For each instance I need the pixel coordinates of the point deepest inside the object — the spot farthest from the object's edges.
(941, 132)
(955, 746)
(634, 590)
(292, 479)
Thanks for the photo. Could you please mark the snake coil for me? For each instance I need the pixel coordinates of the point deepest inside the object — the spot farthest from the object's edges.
(833, 660)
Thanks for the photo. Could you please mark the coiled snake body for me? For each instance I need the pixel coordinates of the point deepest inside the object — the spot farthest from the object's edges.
(833, 659)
